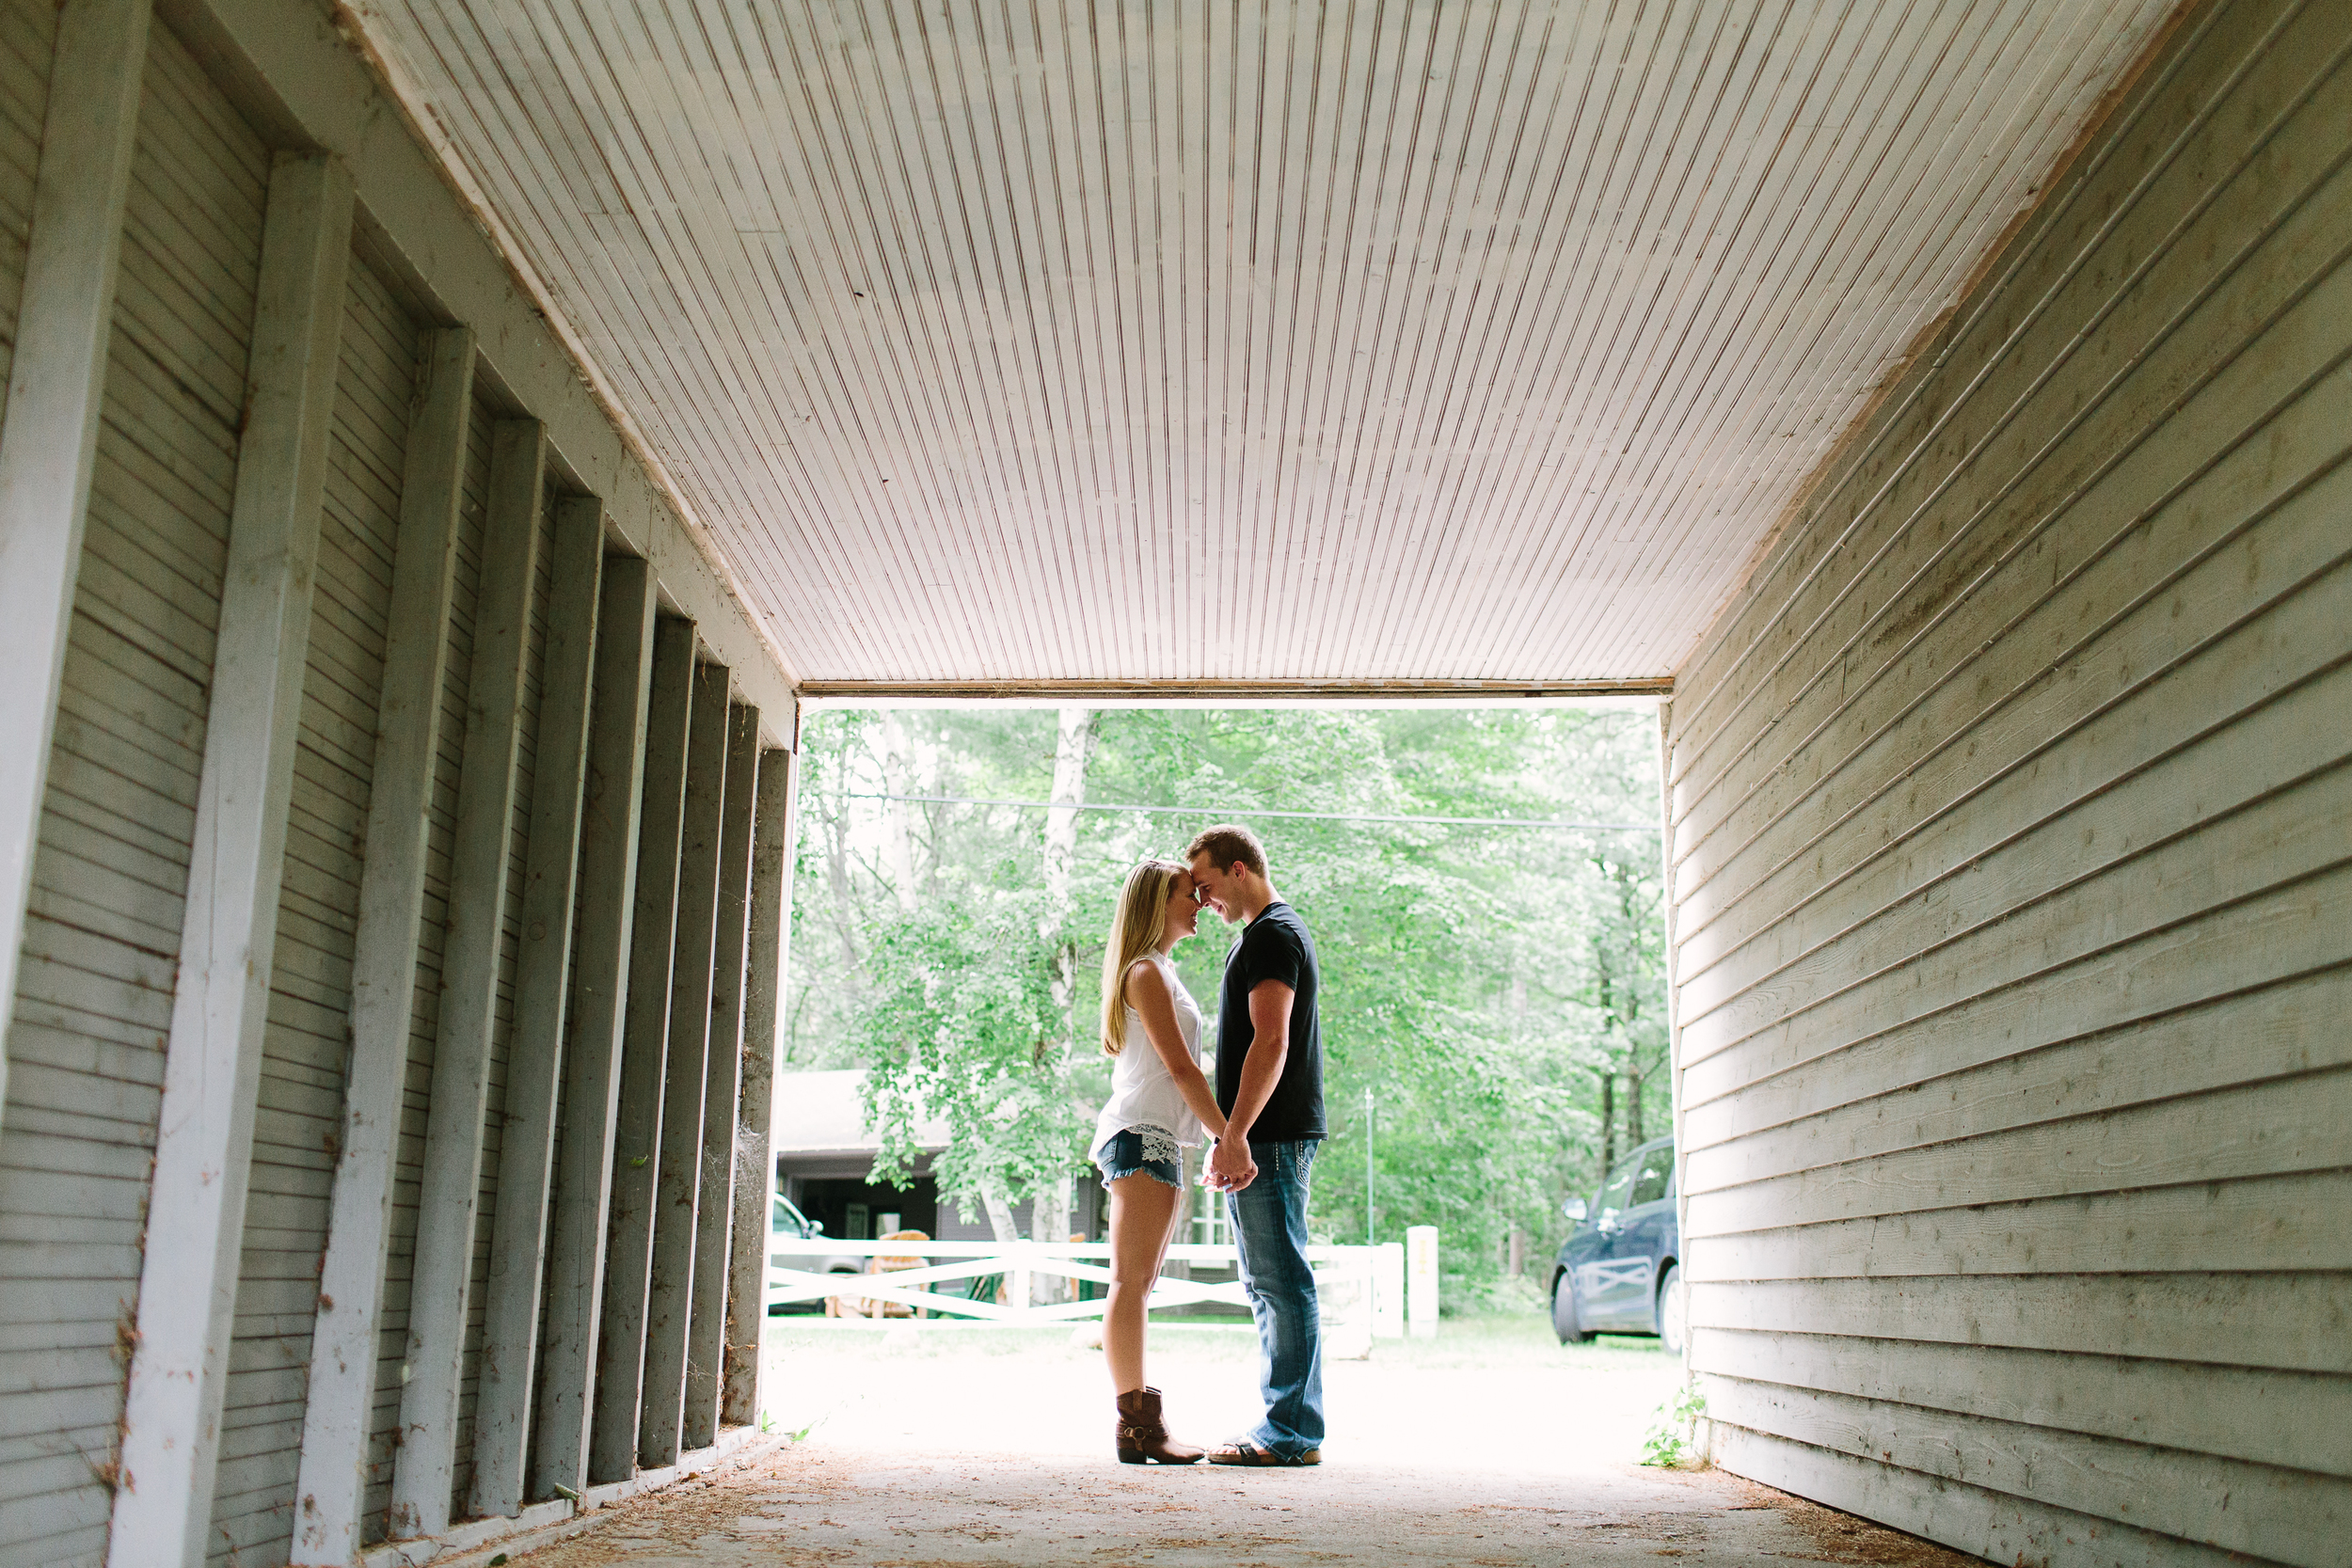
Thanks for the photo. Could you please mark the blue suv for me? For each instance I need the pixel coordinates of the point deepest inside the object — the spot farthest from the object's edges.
(1619, 1271)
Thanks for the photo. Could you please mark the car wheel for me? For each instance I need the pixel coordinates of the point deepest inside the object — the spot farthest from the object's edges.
(1673, 1310)
(1564, 1320)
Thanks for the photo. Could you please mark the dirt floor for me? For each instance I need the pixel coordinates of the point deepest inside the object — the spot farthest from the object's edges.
(1490, 1444)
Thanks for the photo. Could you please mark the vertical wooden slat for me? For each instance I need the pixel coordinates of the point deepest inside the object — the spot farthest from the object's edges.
(519, 1235)
(612, 810)
(423, 1474)
(384, 961)
(765, 953)
(722, 1078)
(220, 1004)
(620, 1350)
(49, 432)
(677, 1190)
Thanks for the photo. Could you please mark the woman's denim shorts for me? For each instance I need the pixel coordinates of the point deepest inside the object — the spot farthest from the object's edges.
(1125, 1153)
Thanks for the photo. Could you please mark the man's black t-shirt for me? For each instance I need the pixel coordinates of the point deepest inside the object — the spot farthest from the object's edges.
(1274, 946)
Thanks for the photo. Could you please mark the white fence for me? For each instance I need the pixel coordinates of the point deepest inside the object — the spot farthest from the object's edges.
(1359, 1286)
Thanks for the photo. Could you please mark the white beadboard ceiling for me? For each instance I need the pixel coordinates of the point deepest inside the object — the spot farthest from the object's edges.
(1371, 340)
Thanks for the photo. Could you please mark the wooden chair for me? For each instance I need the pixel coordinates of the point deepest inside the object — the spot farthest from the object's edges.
(868, 1306)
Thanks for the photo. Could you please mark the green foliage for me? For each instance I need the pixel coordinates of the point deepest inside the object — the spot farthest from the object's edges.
(1499, 990)
(960, 1023)
(1673, 1436)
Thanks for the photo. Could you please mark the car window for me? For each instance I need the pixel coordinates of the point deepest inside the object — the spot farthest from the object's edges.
(1649, 1184)
(1613, 1194)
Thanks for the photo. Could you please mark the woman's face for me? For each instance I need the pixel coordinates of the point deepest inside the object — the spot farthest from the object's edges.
(1183, 913)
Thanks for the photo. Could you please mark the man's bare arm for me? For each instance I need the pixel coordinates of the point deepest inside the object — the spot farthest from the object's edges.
(1269, 1047)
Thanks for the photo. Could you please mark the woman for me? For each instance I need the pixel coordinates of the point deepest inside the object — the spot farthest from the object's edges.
(1159, 1105)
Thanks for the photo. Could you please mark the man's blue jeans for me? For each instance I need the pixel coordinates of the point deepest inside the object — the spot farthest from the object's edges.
(1270, 1226)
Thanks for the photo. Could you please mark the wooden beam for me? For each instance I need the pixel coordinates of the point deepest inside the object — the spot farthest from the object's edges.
(518, 1230)
(620, 1350)
(723, 1082)
(331, 93)
(49, 432)
(611, 812)
(678, 1189)
(331, 1481)
(766, 950)
(1223, 693)
(220, 1005)
(449, 1193)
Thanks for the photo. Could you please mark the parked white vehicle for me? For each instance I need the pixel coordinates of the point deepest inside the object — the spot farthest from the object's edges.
(788, 1223)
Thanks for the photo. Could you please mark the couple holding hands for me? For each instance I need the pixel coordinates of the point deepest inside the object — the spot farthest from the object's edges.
(1265, 1118)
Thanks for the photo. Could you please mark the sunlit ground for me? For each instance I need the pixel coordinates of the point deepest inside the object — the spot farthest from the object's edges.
(1488, 1393)
(950, 1447)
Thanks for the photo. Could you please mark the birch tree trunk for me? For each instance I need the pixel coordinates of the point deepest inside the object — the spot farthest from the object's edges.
(898, 776)
(1073, 747)
(999, 1214)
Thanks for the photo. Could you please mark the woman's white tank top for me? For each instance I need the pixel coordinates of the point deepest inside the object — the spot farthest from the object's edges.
(1143, 1094)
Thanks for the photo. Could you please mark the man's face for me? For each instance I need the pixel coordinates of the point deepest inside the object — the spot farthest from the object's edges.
(1219, 887)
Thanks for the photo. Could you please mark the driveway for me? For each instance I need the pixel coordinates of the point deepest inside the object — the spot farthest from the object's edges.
(926, 1447)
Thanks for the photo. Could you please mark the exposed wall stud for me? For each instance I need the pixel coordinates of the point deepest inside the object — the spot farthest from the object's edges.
(679, 1192)
(723, 1081)
(518, 1232)
(765, 953)
(620, 1349)
(49, 432)
(450, 1195)
(330, 1484)
(220, 1006)
(612, 807)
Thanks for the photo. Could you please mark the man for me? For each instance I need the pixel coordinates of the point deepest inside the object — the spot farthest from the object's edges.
(1269, 1085)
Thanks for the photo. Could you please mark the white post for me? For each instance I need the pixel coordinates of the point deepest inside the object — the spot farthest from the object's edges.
(620, 1346)
(723, 1085)
(331, 1481)
(612, 805)
(1388, 1296)
(1017, 1278)
(1345, 1293)
(518, 1231)
(768, 951)
(220, 1005)
(1420, 1280)
(49, 432)
(686, 1065)
(449, 1198)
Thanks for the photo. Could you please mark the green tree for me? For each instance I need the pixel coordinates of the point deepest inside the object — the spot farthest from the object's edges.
(1499, 990)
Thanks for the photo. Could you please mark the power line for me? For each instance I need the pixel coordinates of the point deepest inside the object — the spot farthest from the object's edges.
(1540, 822)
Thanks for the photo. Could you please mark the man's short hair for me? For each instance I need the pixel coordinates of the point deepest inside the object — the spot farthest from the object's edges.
(1225, 843)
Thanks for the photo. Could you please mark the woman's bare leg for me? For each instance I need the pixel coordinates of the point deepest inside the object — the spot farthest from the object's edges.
(1142, 1214)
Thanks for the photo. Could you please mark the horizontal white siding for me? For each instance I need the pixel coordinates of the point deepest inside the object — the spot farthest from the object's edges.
(2010, 807)
(28, 36)
(109, 877)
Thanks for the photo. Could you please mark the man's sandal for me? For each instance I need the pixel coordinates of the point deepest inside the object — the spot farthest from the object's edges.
(1251, 1454)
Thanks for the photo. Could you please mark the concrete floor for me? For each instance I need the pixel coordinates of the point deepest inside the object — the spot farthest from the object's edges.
(934, 1448)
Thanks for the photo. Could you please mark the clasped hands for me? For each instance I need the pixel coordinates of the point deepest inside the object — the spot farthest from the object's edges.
(1230, 1168)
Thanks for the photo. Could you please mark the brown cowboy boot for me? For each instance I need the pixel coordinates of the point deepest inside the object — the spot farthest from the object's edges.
(1142, 1435)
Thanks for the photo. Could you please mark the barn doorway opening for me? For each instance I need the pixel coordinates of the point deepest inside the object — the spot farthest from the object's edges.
(1485, 889)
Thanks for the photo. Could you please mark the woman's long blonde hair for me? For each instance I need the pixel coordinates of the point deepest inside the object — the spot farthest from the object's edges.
(1135, 929)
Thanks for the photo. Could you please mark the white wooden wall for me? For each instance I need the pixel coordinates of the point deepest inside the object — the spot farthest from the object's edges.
(94, 988)
(302, 1076)
(93, 1013)
(2011, 911)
